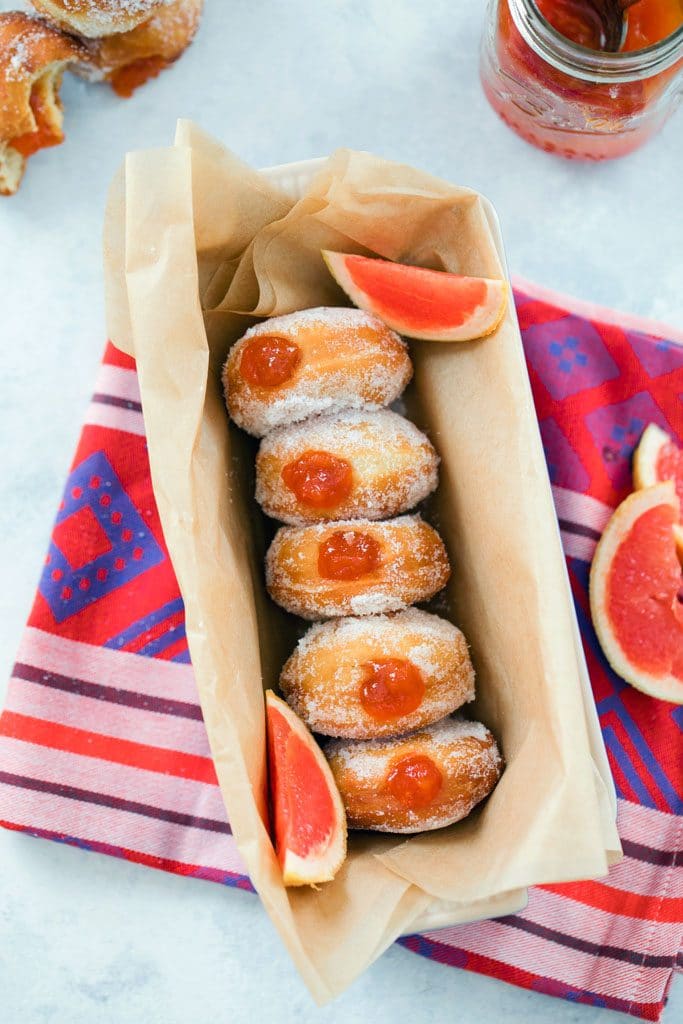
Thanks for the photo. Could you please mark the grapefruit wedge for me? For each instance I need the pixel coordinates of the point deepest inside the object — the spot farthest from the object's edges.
(636, 593)
(429, 304)
(308, 817)
(658, 458)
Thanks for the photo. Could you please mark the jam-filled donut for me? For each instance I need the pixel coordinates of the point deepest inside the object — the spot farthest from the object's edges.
(366, 678)
(355, 567)
(129, 59)
(354, 465)
(33, 57)
(322, 360)
(419, 782)
(93, 18)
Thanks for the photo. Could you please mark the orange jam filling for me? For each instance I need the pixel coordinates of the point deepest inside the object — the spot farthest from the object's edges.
(414, 781)
(348, 555)
(44, 134)
(268, 361)
(392, 687)
(318, 479)
(131, 76)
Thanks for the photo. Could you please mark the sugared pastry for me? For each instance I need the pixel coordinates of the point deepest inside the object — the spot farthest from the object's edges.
(316, 361)
(129, 59)
(32, 60)
(352, 465)
(356, 567)
(93, 18)
(365, 678)
(419, 782)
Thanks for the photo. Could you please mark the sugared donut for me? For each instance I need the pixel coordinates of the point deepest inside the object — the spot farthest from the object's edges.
(129, 59)
(353, 465)
(356, 567)
(33, 57)
(382, 675)
(94, 18)
(419, 782)
(317, 361)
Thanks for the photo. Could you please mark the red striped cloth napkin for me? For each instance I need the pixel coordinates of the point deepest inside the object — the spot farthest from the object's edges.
(102, 743)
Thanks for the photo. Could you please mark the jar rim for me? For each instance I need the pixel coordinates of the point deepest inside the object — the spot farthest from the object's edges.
(592, 65)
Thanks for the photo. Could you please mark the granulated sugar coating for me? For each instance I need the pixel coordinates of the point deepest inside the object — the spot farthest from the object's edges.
(129, 8)
(93, 18)
(324, 678)
(17, 61)
(394, 466)
(30, 48)
(463, 753)
(172, 22)
(347, 360)
(413, 567)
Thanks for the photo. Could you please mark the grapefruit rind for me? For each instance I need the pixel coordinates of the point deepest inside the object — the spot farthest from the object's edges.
(646, 454)
(322, 863)
(486, 318)
(631, 509)
(645, 459)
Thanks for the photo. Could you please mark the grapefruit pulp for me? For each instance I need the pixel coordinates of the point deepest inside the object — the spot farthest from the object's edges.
(636, 591)
(656, 459)
(308, 817)
(429, 304)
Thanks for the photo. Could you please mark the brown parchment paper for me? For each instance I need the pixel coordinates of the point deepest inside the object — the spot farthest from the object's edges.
(196, 246)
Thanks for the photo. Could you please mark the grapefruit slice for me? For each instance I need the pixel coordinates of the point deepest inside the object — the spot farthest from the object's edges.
(636, 593)
(308, 817)
(658, 458)
(429, 304)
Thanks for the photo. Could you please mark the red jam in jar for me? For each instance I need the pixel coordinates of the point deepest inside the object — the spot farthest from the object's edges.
(348, 555)
(586, 79)
(319, 479)
(415, 781)
(613, 25)
(391, 687)
(268, 361)
(650, 21)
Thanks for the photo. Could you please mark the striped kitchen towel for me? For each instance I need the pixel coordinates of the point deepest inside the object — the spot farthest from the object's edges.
(102, 743)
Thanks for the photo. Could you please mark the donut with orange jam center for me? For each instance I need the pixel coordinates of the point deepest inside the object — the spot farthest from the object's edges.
(380, 675)
(355, 567)
(353, 465)
(317, 361)
(416, 783)
(33, 57)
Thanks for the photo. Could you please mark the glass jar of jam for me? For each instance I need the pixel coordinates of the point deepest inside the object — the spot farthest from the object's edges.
(586, 79)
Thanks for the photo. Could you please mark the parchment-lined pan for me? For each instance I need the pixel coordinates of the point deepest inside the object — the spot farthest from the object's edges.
(192, 221)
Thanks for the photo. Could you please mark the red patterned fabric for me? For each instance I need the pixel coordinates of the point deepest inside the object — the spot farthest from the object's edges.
(102, 742)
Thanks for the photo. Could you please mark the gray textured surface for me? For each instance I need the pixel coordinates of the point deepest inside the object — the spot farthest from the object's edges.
(87, 939)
